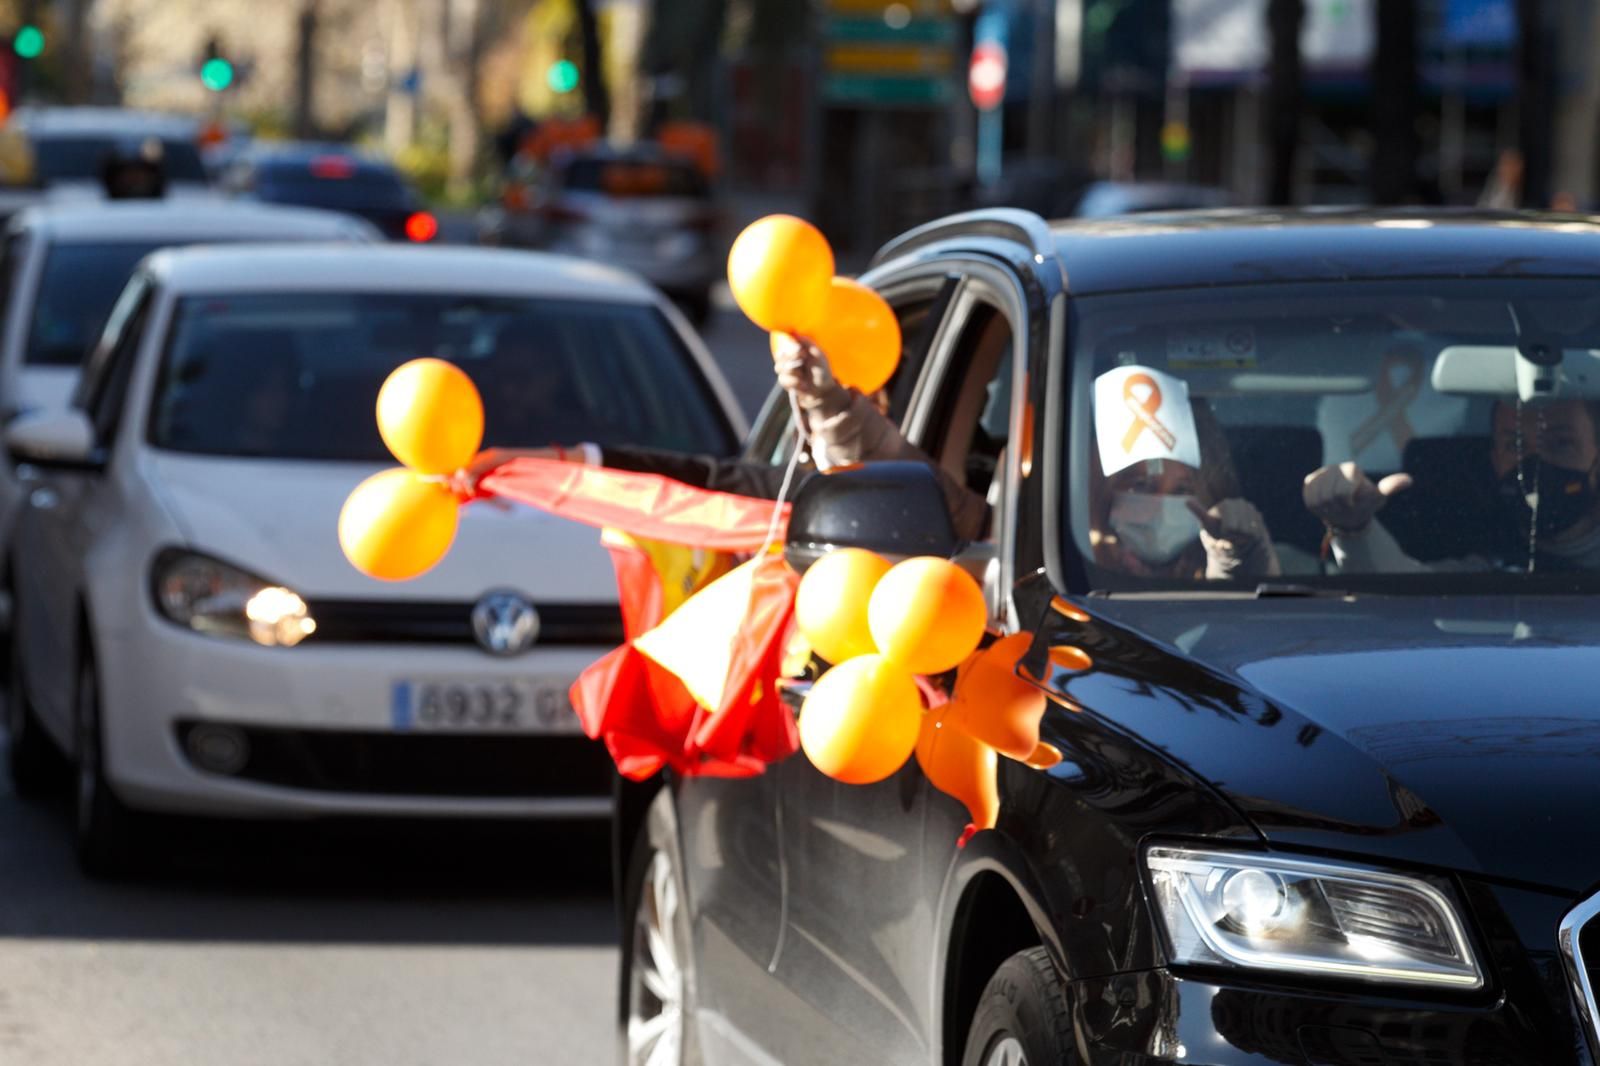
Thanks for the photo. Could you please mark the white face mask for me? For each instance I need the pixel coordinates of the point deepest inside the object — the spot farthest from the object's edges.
(1154, 528)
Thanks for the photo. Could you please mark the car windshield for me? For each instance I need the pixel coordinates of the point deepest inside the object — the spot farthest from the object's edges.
(296, 376)
(80, 158)
(1250, 437)
(339, 189)
(79, 284)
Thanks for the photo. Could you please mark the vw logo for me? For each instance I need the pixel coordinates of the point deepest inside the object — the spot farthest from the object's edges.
(504, 623)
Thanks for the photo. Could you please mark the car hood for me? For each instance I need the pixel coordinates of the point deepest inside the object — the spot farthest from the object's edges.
(1458, 732)
(280, 520)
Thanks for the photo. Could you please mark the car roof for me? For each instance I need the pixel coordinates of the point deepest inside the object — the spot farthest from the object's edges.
(1253, 246)
(392, 268)
(186, 220)
(103, 122)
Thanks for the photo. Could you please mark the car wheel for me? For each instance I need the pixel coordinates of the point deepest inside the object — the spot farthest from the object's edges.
(657, 967)
(107, 832)
(1022, 1017)
(35, 764)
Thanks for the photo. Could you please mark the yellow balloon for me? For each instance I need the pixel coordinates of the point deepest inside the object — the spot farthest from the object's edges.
(830, 606)
(397, 524)
(779, 270)
(859, 723)
(431, 416)
(860, 336)
(927, 614)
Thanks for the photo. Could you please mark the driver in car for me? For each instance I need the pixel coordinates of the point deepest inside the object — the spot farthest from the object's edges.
(1164, 496)
(1545, 459)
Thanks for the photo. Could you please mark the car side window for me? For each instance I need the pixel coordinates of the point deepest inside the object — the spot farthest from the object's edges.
(971, 422)
(104, 387)
(919, 310)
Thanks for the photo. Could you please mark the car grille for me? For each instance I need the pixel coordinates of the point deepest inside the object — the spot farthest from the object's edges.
(515, 766)
(1579, 938)
(410, 622)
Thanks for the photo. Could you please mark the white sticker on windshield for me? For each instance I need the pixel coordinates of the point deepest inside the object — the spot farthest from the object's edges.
(1142, 414)
(1211, 347)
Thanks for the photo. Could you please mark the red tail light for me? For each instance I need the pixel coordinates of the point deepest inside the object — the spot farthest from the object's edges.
(421, 227)
(515, 197)
(332, 166)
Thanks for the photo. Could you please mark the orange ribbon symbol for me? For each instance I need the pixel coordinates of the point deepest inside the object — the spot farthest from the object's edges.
(1394, 394)
(1144, 412)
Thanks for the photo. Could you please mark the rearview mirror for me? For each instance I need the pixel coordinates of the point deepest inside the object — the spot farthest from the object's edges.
(54, 438)
(895, 509)
(1535, 373)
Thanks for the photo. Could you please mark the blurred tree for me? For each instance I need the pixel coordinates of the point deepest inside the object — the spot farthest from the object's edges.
(1284, 19)
(595, 98)
(681, 50)
(1535, 76)
(1394, 102)
(305, 53)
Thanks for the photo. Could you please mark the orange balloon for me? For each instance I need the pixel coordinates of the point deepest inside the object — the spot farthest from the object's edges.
(860, 336)
(431, 416)
(927, 614)
(830, 606)
(993, 704)
(960, 765)
(397, 524)
(779, 271)
(860, 721)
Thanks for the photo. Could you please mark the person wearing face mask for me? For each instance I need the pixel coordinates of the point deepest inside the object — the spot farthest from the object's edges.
(1545, 459)
(1170, 518)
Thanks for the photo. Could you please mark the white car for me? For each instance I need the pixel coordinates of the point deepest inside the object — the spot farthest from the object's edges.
(61, 269)
(188, 630)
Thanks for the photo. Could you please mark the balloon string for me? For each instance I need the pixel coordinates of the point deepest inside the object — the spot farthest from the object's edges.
(788, 477)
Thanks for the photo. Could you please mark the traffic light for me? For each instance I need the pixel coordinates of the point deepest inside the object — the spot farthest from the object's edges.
(216, 70)
(562, 76)
(28, 41)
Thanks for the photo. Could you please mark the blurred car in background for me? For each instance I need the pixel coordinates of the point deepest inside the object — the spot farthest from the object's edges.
(187, 628)
(333, 177)
(56, 153)
(61, 269)
(641, 209)
(1105, 199)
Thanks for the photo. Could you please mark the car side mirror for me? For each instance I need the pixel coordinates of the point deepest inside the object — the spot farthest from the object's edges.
(62, 439)
(892, 508)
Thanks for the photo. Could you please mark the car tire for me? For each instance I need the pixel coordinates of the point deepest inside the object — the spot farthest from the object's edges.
(1022, 1017)
(107, 833)
(35, 764)
(657, 995)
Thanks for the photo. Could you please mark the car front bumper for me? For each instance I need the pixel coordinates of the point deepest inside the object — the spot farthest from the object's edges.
(322, 733)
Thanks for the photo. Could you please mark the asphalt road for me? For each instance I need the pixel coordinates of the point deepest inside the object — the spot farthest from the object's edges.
(281, 945)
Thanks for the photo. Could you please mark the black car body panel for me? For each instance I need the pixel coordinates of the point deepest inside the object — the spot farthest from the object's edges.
(1460, 733)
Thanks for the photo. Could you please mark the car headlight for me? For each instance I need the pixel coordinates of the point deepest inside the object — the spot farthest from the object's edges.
(1312, 918)
(212, 597)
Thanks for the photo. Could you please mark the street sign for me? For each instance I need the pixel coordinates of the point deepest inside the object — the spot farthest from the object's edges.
(888, 53)
(986, 77)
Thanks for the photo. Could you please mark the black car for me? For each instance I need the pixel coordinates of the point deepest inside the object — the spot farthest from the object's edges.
(335, 178)
(1323, 811)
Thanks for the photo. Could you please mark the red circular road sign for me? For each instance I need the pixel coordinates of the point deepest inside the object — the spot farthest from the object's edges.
(986, 77)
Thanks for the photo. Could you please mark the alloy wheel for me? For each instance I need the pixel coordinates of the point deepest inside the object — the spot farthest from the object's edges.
(656, 1000)
(1008, 1052)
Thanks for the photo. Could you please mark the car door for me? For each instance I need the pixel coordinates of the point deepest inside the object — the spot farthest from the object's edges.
(732, 829)
(865, 862)
(59, 519)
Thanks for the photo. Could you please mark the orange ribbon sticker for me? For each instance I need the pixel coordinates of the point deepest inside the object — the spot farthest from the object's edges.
(1144, 412)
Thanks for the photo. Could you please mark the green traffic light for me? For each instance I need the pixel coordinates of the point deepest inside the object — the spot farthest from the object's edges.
(563, 76)
(29, 42)
(216, 74)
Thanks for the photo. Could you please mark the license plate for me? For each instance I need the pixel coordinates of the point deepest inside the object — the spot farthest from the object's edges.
(536, 705)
